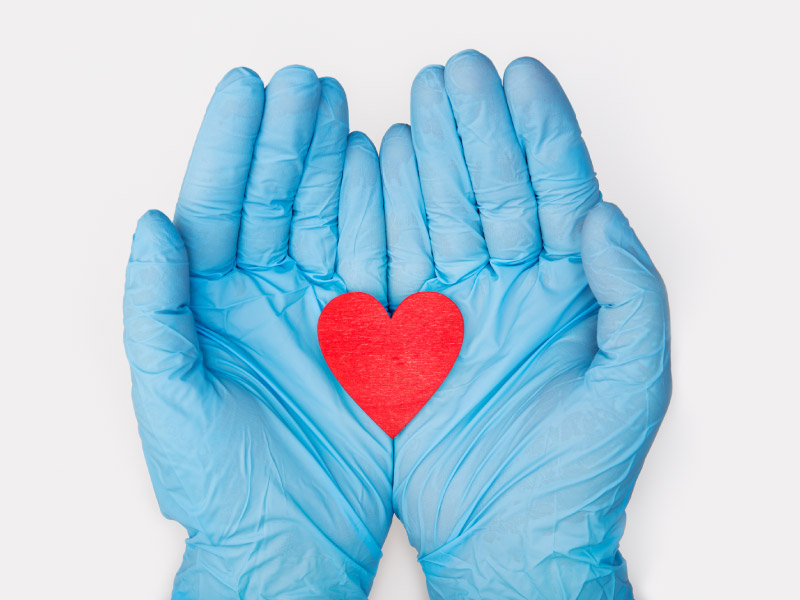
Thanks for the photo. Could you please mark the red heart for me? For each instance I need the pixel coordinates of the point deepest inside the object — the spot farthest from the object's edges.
(391, 366)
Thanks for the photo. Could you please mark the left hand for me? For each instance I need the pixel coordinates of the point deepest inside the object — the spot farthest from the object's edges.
(282, 482)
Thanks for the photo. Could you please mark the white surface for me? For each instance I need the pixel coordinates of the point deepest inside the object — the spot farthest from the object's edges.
(690, 110)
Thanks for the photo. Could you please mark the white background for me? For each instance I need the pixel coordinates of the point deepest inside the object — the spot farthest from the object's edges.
(690, 110)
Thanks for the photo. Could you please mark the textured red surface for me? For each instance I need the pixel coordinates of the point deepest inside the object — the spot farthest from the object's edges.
(391, 366)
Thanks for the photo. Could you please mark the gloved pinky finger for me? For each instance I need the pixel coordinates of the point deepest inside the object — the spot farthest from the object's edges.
(361, 253)
(408, 244)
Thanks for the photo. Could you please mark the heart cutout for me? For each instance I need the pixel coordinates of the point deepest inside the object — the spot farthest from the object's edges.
(390, 366)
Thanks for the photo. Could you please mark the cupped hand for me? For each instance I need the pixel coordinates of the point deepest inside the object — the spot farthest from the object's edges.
(512, 481)
(283, 484)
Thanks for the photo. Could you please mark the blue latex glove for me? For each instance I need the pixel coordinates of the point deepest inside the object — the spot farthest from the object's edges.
(282, 482)
(512, 481)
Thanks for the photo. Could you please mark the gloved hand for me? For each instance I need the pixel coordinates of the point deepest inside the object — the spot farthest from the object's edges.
(282, 482)
(512, 481)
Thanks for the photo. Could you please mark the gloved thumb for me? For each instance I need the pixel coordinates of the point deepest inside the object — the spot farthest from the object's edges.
(160, 336)
(633, 323)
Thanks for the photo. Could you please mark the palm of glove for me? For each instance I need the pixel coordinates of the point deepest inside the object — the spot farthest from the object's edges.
(526, 460)
(513, 479)
(282, 483)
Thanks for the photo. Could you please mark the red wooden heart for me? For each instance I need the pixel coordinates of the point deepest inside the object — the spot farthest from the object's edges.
(391, 366)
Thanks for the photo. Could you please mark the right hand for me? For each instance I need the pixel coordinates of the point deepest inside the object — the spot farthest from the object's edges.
(512, 481)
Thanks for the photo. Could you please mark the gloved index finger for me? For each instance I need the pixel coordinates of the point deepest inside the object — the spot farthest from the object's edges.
(494, 158)
(210, 202)
(560, 168)
(290, 115)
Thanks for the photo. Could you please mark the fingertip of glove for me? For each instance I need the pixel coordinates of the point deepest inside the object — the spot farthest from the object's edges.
(468, 55)
(334, 98)
(469, 72)
(152, 218)
(430, 76)
(526, 80)
(156, 240)
(603, 223)
(396, 144)
(527, 64)
(400, 130)
(295, 76)
(361, 169)
(246, 76)
(358, 140)
(331, 85)
(609, 241)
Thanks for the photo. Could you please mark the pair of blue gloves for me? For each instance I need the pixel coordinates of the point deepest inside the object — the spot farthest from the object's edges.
(512, 481)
